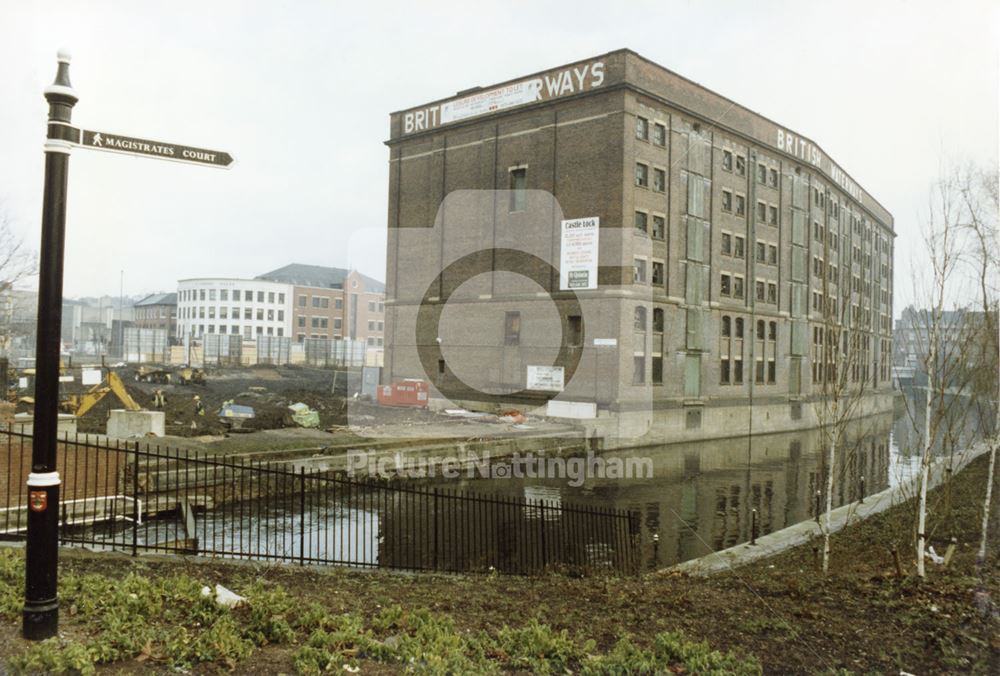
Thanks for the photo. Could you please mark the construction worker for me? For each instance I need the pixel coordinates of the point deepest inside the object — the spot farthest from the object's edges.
(159, 401)
(199, 407)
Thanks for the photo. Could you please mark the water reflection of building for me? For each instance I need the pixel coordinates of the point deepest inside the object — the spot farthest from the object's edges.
(702, 494)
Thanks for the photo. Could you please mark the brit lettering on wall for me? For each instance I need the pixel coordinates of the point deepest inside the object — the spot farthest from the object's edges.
(548, 86)
(806, 151)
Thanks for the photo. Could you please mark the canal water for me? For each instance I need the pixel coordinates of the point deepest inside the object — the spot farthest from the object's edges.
(697, 498)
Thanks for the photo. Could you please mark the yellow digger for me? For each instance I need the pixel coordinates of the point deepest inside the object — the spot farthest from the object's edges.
(79, 404)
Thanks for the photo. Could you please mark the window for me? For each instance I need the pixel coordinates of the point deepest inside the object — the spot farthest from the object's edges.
(659, 135)
(642, 128)
(640, 221)
(727, 201)
(658, 320)
(223, 313)
(772, 293)
(760, 290)
(302, 321)
(727, 244)
(761, 173)
(315, 301)
(737, 286)
(201, 294)
(324, 302)
(658, 277)
(639, 370)
(659, 180)
(270, 315)
(270, 297)
(260, 315)
(727, 160)
(260, 296)
(738, 247)
(641, 175)
(575, 333)
(639, 319)
(338, 303)
(371, 325)
(772, 215)
(772, 178)
(371, 306)
(211, 313)
(761, 252)
(741, 165)
(659, 226)
(302, 301)
(518, 189)
(658, 369)
(772, 254)
(281, 315)
(512, 328)
(761, 212)
(247, 313)
(281, 298)
(726, 286)
(741, 205)
(639, 271)
(224, 294)
(338, 323)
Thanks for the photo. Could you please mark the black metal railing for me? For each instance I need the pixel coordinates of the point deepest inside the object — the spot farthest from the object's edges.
(140, 497)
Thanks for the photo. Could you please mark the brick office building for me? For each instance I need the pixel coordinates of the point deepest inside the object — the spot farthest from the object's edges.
(333, 303)
(158, 311)
(730, 251)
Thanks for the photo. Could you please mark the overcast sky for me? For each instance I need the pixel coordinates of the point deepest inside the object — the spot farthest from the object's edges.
(300, 93)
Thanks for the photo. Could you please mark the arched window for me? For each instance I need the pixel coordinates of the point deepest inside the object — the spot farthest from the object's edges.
(726, 326)
(739, 327)
(640, 319)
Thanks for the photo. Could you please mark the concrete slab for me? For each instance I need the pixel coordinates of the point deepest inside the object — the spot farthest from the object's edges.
(24, 423)
(124, 424)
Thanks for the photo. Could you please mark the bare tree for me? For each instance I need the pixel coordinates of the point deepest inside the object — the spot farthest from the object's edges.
(980, 194)
(17, 264)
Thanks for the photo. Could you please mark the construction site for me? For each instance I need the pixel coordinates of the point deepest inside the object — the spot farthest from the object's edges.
(261, 410)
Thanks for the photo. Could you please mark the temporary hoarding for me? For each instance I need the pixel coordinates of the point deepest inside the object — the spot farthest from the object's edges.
(578, 253)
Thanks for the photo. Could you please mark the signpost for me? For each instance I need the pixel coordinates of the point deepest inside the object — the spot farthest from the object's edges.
(41, 603)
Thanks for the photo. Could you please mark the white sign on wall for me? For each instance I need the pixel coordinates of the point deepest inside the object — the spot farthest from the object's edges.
(578, 253)
(548, 378)
(91, 377)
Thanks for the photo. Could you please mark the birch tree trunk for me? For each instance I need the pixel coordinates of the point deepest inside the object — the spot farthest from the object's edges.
(829, 497)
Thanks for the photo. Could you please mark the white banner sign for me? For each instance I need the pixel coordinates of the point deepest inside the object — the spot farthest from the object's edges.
(91, 377)
(548, 378)
(578, 253)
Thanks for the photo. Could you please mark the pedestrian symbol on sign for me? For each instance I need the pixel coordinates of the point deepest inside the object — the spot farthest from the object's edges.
(97, 139)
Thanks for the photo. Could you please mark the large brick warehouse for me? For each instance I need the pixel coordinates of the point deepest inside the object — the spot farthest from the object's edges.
(736, 262)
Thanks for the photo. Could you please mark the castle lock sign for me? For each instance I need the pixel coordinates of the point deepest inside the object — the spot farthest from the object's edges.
(130, 145)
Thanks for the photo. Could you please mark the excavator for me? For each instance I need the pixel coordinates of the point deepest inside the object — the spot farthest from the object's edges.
(79, 404)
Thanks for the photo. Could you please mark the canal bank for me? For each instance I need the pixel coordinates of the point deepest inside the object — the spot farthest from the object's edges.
(802, 533)
(861, 618)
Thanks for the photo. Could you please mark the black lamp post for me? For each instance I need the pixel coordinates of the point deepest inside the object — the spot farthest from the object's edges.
(41, 602)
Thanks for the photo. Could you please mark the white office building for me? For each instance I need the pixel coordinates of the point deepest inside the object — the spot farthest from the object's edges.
(223, 305)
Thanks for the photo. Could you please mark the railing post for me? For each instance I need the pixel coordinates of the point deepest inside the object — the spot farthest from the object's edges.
(817, 505)
(302, 516)
(435, 517)
(541, 521)
(135, 500)
(753, 526)
(862, 500)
